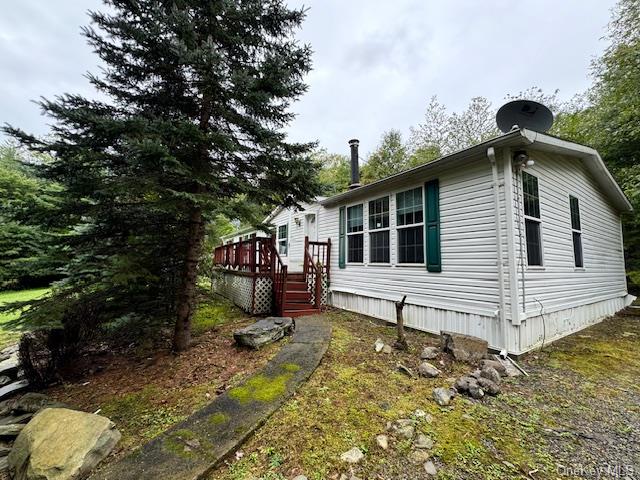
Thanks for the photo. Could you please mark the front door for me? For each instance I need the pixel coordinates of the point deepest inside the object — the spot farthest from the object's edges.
(311, 227)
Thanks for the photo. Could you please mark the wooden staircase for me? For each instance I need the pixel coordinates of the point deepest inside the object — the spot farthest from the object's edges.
(297, 299)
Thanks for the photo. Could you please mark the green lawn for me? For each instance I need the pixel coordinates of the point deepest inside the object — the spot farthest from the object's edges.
(9, 331)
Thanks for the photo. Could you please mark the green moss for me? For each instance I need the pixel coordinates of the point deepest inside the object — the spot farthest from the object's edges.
(218, 418)
(213, 313)
(261, 388)
(290, 367)
(175, 443)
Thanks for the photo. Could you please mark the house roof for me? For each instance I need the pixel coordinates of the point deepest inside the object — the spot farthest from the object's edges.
(515, 138)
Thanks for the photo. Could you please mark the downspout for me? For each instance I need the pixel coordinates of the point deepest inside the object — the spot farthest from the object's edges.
(491, 155)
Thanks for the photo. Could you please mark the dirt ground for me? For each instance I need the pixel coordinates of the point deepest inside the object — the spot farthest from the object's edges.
(577, 414)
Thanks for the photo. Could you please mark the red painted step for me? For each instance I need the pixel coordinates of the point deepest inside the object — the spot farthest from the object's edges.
(298, 295)
(298, 286)
(300, 313)
(295, 277)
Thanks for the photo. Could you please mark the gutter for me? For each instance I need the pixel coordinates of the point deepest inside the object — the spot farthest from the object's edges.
(491, 155)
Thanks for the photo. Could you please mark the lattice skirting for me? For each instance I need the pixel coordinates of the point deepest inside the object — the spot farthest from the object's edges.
(254, 298)
(325, 288)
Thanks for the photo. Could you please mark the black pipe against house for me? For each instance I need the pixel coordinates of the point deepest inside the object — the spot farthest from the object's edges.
(355, 167)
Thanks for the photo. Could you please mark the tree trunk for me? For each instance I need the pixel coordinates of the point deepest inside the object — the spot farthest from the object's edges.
(187, 291)
(401, 343)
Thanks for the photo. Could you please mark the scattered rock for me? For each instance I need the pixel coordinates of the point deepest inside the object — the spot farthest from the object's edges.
(418, 456)
(382, 441)
(430, 469)
(443, 396)
(264, 331)
(469, 386)
(45, 451)
(423, 441)
(8, 351)
(352, 456)
(429, 353)
(490, 373)
(33, 402)
(4, 464)
(10, 365)
(404, 427)
(427, 370)
(477, 373)
(406, 370)
(299, 477)
(11, 430)
(387, 349)
(464, 348)
(4, 380)
(6, 406)
(13, 388)
(496, 364)
(488, 386)
(4, 451)
(24, 418)
(379, 345)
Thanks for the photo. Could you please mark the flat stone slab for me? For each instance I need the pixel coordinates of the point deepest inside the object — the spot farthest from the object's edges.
(268, 330)
(13, 388)
(195, 446)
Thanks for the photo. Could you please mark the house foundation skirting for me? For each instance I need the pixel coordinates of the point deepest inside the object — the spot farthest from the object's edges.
(252, 292)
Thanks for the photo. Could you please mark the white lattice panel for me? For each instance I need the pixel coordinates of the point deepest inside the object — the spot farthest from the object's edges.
(263, 295)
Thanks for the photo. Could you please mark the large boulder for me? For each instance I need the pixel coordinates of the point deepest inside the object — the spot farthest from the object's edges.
(263, 331)
(464, 348)
(61, 444)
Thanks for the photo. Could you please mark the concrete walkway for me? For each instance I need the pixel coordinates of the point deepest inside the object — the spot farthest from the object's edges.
(194, 447)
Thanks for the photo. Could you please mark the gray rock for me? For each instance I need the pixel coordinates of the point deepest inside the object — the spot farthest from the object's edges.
(429, 353)
(9, 366)
(490, 373)
(352, 456)
(406, 370)
(4, 380)
(378, 346)
(24, 418)
(263, 332)
(430, 469)
(418, 456)
(477, 373)
(404, 428)
(427, 370)
(423, 441)
(33, 402)
(6, 407)
(13, 388)
(382, 441)
(11, 430)
(469, 386)
(496, 364)
(44, 451)
(300, 477)
(9, 351)
(488, 386)
(4, 464)
(4, 451)
(464, 348)
(387, 349)
(443, 396)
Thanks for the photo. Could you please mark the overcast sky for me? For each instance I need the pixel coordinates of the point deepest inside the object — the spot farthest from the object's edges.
(376, 64)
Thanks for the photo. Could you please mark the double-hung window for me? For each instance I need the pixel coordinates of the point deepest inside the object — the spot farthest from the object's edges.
(576, 232)
(410, 226)
(532, 220)
(379, 230)
(283, 234)
(355, 235)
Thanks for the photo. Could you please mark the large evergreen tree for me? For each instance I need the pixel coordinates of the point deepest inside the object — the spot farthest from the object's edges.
(197, 95)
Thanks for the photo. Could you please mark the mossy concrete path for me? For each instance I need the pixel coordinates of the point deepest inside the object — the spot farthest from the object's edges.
(192, 448)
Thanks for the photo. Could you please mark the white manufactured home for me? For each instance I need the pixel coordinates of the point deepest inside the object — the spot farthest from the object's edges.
(517, 240)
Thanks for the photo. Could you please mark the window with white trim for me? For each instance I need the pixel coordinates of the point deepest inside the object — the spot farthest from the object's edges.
(576, 232)
(532, 221)
(283, 240)
(410, 226)
(379, 230)
(355, 235)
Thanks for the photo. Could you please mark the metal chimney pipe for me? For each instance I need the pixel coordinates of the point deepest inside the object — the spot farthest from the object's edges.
(355, 167)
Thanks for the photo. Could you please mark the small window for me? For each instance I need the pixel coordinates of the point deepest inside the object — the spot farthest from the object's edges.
(576, 232)
(283, 233)
(379, 230)
(531, 206)
(409, 211)
(355, 237)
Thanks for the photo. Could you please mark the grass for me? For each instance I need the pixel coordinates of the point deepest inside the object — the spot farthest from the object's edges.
(355, 392)
(10, 331)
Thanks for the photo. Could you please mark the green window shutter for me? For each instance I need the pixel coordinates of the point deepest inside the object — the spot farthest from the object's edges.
(432, 225)
(342, 238)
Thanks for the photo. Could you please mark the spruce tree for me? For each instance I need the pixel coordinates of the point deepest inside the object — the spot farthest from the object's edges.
(195, 95)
